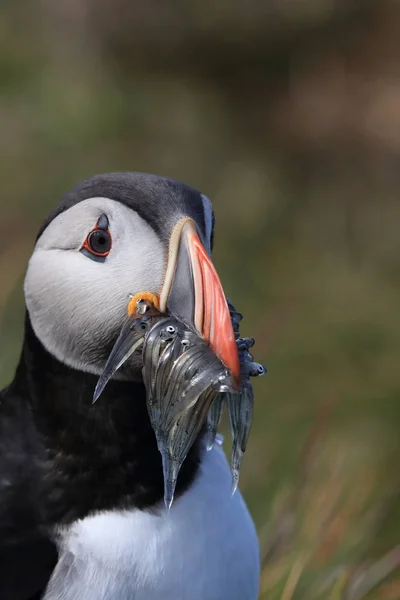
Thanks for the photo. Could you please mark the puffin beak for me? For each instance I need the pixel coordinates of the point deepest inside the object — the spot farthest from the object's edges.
(193, 292)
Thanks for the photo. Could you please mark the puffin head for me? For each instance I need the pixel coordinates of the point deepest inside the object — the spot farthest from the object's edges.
(118, 235)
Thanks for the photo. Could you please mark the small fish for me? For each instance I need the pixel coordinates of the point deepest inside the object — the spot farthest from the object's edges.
(180, 439)
(130, 339)
(240, 405)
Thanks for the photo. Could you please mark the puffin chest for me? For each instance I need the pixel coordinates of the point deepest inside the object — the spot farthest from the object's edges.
(204, 548)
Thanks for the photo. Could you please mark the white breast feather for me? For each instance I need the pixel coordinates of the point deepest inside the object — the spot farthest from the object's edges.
(205, 548)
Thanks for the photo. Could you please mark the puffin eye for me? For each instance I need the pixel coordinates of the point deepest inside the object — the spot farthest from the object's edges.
(98, 243)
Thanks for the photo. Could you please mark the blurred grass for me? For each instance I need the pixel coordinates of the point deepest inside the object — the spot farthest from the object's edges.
(290, 125)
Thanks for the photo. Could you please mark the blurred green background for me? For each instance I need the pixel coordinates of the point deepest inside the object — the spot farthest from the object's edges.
(286, 113)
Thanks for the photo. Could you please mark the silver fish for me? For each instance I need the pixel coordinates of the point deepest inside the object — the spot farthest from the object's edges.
(159, 339)
(131, 337)
(180, 439)
(239, 404)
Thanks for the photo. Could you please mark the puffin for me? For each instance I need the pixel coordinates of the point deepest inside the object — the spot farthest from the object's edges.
(82, 515)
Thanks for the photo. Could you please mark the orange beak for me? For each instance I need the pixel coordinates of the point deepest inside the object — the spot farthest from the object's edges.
(193, 292)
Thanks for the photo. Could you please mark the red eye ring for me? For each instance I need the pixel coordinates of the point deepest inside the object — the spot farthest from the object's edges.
(98, 243)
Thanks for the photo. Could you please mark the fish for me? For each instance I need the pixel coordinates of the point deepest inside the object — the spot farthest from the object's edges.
(239, 403)
(131, 337)
(187, 385)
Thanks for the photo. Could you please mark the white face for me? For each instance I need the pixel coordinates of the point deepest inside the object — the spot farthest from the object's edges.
(78, 305)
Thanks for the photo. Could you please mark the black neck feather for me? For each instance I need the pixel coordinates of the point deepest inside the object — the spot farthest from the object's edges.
(101, 456)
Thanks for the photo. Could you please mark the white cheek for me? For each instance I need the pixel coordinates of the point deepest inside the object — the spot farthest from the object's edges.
(75, 302)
